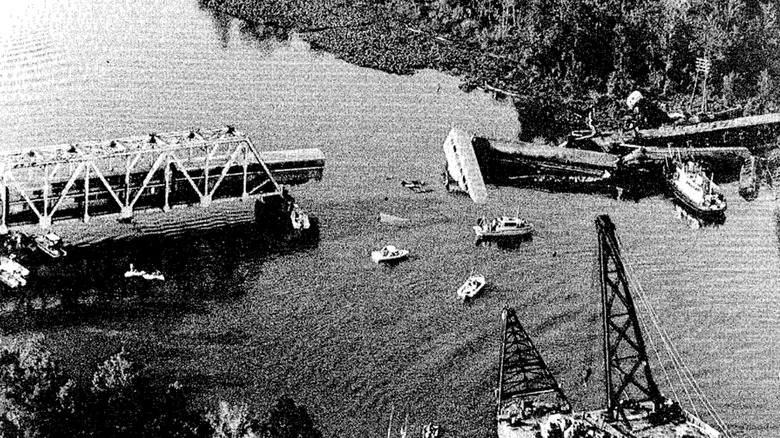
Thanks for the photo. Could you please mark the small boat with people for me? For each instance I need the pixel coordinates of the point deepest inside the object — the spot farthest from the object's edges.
(299, 218)
(503, 226)
(471, 287)
(692, 187)
(389, 253)
(154, 275)
(51, 245)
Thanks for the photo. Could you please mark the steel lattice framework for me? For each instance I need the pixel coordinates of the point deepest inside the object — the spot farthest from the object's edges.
(627, 370)
(128, 174)
(523, 372)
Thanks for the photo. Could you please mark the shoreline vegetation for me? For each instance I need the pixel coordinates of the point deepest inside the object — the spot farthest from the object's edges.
(40, 400)
(554, 59)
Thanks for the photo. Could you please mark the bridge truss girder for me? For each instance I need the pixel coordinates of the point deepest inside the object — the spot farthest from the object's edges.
(204, 164)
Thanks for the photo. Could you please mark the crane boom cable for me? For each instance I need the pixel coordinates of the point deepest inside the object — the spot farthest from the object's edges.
(674, 353)
(641, 298)
(657, 353)
(671, 349)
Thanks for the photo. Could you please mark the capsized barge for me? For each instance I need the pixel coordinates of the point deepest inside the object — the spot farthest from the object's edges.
(504, 161)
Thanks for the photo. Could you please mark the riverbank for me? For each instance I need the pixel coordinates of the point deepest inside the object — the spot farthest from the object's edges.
(343, 336)
(555, 63)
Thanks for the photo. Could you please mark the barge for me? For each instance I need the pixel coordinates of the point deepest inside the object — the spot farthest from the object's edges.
(635, 406)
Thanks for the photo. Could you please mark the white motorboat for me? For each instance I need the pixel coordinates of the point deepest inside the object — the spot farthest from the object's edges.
(504, 226)
(389, 254)
(299, 218)
(12, 273)
(51, 245)
(471, 287)
(10, 279)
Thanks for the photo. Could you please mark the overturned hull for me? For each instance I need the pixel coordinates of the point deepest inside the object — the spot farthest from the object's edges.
(462, 168)
(504, 161)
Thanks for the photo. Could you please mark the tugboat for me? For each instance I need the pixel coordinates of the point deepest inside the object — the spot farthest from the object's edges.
(691, 186)
(389, 254)
(51, 245)
(504, 226)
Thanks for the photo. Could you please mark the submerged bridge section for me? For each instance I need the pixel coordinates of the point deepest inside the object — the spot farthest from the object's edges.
(156, 171)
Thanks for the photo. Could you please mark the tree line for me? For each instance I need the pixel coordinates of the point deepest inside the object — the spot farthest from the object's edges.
(38, 400)
(610, 46)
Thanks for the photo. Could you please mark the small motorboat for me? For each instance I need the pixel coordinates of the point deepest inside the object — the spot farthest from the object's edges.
(51, 245)
(471, 287)
(9, 264)
(10, 279)
(12, 273)
(299, 218)
(155, 275)
(389, 254)
(504, 226)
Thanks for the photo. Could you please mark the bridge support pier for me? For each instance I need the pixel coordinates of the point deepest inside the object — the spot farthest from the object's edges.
(126, 213)
(205, 200)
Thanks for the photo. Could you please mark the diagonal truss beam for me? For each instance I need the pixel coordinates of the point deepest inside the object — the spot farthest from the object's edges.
(73, 177)
(226, 168)
(10, 177)
(522, 371)
(106, 184)
(149, 175)
(627, 369)
(186, 174)
(267, 171)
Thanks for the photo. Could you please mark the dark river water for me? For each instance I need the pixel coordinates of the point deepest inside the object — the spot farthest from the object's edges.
(240, 318)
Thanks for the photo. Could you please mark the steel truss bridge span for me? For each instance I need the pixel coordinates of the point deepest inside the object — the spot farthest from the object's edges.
(156, 171)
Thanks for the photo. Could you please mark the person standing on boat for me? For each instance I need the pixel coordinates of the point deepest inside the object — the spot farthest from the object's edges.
(289, 201)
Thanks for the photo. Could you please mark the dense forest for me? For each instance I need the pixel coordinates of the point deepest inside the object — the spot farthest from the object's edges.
(553, 57)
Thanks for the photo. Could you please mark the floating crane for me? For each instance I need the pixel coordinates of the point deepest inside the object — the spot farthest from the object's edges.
(635, 406)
